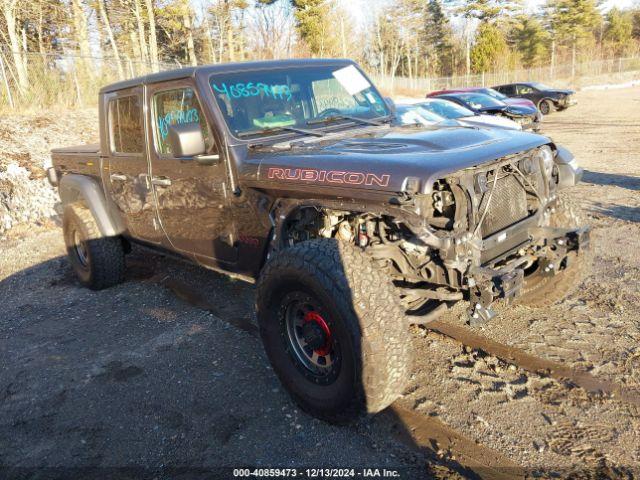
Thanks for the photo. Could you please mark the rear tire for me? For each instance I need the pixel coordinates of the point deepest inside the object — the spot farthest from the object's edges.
(540, 290)
(97, 261)
(366, 339)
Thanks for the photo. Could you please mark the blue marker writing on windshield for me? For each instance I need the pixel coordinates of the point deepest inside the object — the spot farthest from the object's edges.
(251, 89)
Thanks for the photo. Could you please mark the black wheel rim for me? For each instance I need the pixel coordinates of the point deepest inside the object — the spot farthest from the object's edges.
(310, 338)
(80, 249)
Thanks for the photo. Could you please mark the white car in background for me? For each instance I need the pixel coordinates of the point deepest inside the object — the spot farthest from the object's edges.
(408, 114)
(452, 111)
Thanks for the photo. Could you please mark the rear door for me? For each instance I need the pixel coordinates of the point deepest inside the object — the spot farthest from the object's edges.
(125, 157)
(192, 199)
(508, 90)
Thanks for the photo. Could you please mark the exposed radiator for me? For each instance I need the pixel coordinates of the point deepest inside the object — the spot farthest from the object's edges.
(508, 205)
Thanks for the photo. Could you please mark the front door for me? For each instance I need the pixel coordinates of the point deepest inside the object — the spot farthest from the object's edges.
(191, 198)
(126, 164)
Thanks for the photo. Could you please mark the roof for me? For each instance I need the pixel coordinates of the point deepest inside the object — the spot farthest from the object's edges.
(221, 68)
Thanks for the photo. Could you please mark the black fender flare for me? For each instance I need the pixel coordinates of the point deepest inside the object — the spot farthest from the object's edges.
(81, 188)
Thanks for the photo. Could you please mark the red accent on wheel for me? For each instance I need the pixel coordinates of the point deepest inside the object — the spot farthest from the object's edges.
(317, 318)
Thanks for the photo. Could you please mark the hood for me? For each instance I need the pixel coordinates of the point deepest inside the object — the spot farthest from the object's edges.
(523, 102)
(384, 160)
(560, 91)
(522, 110)
(491, 121)
(496, 109)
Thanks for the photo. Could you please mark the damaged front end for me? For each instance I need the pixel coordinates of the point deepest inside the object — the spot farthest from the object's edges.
(483, 230)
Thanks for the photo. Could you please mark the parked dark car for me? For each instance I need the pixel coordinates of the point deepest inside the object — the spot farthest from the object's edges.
(545, 97)
(487, 91)
(527, 117)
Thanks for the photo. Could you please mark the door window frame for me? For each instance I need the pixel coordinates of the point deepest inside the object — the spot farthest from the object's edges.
(114, 97)
(153, 90)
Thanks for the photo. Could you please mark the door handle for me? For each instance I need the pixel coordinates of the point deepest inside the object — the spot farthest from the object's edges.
(161, 181)
(118, 177)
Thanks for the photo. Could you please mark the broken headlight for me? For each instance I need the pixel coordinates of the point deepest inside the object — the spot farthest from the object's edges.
(544, 155)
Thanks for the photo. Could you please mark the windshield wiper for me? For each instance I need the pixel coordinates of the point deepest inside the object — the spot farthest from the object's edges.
(335, 118)
(264, 131)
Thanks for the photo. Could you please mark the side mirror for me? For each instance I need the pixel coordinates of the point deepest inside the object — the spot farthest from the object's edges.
(186, 140)
(391, 104)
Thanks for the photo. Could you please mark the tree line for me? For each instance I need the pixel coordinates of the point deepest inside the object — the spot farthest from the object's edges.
(413, 38)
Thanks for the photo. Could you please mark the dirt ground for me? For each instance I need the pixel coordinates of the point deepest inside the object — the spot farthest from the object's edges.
(538, 422)
(138, 376)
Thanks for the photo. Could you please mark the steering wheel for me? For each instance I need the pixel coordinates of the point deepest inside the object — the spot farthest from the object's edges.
(329, 112)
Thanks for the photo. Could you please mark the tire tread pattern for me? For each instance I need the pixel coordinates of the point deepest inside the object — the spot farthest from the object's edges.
(546, 291)
(107, 264)
(349, 276)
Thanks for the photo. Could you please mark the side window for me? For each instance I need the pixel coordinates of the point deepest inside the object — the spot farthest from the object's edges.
(125, 124)
(174, 107)
(508, 90)
(524, 89)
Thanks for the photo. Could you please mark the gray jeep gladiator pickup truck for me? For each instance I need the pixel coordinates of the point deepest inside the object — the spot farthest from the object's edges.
(291, 174)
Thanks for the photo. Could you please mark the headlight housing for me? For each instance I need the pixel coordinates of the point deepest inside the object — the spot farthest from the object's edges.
(545, 156)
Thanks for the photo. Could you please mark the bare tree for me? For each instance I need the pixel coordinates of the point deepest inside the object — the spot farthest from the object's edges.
(153, 40)
(112, 41)
(10, 13)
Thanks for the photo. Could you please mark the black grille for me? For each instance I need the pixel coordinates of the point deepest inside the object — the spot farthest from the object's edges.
(508, 205)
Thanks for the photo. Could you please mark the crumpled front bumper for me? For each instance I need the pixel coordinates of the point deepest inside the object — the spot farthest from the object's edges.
(489, 284)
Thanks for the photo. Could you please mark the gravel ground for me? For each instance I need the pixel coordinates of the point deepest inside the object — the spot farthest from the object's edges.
(136, 376)
(538, 422)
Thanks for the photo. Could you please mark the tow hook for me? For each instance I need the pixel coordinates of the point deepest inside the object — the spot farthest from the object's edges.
(480, 314)
(505, 285)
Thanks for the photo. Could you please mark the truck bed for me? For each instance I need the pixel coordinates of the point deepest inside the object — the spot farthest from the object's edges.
(83, 159)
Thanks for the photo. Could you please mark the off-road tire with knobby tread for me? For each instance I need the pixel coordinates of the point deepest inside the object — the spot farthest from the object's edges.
(542, 291)
(105, 265)
(368, 321)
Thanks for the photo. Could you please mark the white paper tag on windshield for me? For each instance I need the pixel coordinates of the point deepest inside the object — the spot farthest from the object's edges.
(351, 79)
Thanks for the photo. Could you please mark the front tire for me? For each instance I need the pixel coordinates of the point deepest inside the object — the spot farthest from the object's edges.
(545, 107)
(540, 290)
(97, 261)
(333, 329)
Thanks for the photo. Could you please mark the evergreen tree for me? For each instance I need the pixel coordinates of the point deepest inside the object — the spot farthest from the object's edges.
(635, 16)
(531, 40)
(487, 10)
(312, 23)
(437, 35)
(489, 50)
(573, 22)
(618, 30)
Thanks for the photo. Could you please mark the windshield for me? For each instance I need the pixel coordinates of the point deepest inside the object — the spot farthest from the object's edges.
(412, 114)
(541, 86)
(479, 100)
(446, 109)
(493, 93)
(261, 102)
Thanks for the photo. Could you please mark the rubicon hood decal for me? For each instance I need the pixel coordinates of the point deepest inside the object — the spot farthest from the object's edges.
(329, 176)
